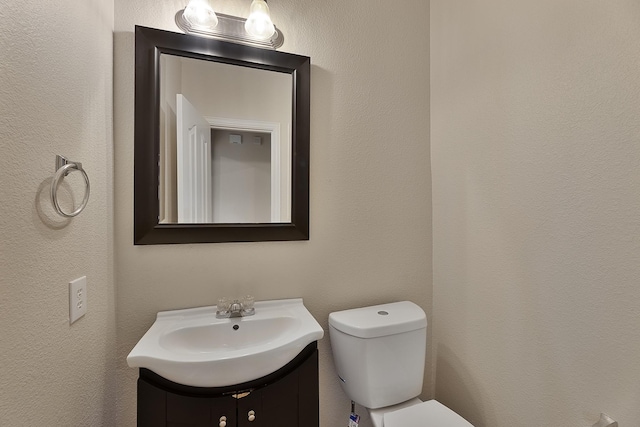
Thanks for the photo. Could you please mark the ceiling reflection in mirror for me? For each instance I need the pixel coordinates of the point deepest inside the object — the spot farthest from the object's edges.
(225, 143)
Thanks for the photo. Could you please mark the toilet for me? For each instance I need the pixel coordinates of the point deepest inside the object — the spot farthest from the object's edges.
(379, 354)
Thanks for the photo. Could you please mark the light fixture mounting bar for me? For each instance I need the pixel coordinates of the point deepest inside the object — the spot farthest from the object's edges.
(230, 28)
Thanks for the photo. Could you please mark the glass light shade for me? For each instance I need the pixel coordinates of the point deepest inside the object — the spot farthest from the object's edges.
(200, 14)
(259, 23)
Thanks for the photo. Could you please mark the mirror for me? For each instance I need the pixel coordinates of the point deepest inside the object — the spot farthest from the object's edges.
(221, 141)
(225, 143)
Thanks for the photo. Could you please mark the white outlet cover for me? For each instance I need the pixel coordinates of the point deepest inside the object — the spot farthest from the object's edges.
(77, 298)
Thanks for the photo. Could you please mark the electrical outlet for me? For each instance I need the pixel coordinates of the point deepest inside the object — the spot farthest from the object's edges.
(77, 298)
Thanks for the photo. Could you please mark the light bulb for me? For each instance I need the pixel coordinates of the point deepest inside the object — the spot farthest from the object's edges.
(200, 14)
(259, 23)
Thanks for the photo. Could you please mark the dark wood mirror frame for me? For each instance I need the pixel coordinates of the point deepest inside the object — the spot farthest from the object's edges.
(149, 44)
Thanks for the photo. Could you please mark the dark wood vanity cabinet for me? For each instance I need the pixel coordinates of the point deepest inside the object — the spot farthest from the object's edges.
(285, 398)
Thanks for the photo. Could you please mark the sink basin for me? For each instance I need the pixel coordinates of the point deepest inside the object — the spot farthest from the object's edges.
(193, 347)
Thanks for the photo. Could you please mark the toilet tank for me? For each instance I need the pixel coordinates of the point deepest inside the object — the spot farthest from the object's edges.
(379, 352)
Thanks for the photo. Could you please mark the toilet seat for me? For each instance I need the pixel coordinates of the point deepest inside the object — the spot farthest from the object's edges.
(426, 414)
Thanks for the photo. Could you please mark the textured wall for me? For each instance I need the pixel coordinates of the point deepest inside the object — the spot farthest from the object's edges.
(55, 98)
(370, 182)
(536, 180)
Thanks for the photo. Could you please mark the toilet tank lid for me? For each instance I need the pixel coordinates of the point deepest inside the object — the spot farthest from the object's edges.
(379, 320)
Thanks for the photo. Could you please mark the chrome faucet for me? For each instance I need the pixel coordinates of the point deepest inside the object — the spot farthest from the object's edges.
(235, 308)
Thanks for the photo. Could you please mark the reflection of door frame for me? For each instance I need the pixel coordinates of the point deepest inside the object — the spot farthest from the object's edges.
(280, 201)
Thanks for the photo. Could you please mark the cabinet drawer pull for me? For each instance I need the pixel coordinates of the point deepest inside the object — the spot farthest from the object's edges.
(252, 415)
(223, 421)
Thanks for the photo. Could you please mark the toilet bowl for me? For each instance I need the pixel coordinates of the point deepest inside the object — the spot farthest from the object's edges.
(379, 354)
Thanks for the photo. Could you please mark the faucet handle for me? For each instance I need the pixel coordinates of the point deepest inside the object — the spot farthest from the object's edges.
(224, 305)
(247, 304)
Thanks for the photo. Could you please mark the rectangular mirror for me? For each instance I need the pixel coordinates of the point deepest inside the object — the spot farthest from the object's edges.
(221, 141)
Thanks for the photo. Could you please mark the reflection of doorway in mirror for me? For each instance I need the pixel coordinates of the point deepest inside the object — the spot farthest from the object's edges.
(280, 162)
(241, 176)
(229, 170)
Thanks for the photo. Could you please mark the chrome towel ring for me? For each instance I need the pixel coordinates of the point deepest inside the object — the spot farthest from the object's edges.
(63, 168)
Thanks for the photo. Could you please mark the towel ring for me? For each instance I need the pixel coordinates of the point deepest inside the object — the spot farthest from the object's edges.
(63, 168)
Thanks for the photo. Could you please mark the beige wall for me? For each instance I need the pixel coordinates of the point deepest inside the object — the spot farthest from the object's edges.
(55, 98)
(370, 183)
(535, 111)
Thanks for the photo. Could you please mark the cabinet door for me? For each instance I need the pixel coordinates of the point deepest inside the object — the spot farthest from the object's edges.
(152, 403)
(190, 411)
(223, 407)
(275, 405)
(309, 394)
(250, 411)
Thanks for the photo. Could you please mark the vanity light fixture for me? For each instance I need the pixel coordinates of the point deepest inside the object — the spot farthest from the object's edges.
(199, 14)
(199, 18)
(259, 23)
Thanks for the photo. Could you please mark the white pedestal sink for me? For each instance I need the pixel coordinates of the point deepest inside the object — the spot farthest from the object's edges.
(193, 347)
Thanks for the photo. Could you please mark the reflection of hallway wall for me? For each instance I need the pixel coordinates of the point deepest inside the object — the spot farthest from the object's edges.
(236, 92)
(170, 82)
(241, 178)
